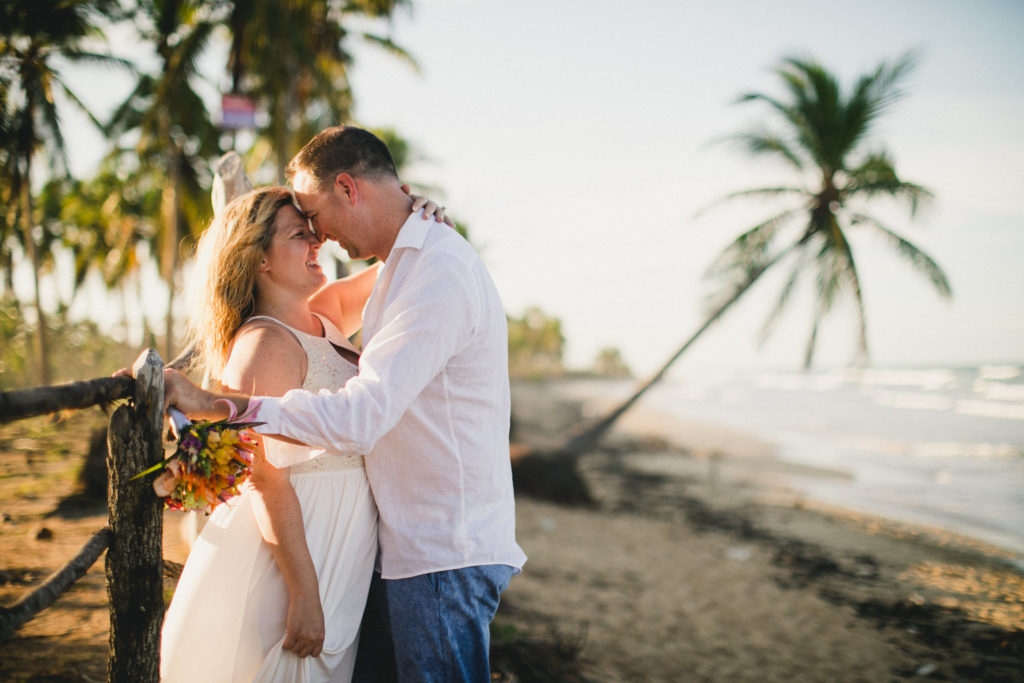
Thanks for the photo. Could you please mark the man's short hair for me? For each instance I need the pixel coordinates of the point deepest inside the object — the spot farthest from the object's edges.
(343, 149)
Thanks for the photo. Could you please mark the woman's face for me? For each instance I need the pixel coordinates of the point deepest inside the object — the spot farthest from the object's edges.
(290, 260)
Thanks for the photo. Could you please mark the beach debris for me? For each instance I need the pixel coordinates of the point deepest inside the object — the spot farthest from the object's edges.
(43, 534)
(926, 669)
(548, 524)
(738, 554)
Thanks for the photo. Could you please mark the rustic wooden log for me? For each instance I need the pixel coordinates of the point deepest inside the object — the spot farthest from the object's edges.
(134, 560)
(22, 403)
(28, 606)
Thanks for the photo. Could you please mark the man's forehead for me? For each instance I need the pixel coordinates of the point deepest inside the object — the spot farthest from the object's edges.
(305, 185)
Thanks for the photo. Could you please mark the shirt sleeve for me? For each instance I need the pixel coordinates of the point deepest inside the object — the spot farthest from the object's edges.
(430, 318)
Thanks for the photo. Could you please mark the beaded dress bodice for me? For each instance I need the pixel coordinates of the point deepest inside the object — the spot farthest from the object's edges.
(325, 369)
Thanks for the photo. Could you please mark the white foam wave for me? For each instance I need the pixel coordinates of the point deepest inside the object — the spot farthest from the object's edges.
(801, 382)
(998, 391)
(929, 380)
(999, 372)
(912, 401)
(929, 449)
(997, 409)
(952, 449)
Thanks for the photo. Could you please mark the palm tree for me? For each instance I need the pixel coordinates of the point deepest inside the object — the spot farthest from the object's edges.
(292, 59)
(34, 35)
(823, 137)
(175, 137)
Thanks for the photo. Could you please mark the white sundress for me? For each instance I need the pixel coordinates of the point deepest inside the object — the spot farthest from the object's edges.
(226, 622)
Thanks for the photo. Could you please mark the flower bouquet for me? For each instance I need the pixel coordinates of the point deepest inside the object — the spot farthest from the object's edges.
(211, 461)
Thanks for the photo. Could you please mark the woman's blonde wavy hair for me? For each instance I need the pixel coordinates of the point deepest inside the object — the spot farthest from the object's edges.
(227, 258)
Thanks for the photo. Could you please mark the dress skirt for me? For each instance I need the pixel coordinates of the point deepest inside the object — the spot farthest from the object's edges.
(226, 622)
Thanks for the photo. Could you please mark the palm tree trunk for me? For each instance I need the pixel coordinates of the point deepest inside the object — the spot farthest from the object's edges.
(42, 345)
(8, 268)
(169, 250)
(282, 127)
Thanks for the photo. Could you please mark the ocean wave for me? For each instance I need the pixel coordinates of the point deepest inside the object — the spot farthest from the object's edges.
(929, 449)
(929, 379)
(999, 372)
(952, 449)
(998, 391)
(997, 409)
(912, 401)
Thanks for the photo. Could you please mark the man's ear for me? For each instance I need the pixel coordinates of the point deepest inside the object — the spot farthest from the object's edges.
(346, 184)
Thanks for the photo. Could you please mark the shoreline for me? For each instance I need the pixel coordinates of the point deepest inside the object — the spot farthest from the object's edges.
(746, 457)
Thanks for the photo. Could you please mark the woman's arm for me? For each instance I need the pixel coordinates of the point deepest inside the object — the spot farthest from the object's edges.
(267, 359)
(342, 301)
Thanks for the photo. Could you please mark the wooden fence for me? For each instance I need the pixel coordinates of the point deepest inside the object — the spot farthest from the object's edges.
(134, 564)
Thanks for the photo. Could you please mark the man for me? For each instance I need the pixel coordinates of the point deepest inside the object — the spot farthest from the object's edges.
(430, 408)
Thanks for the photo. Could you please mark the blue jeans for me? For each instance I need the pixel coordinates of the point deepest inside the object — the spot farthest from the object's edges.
(432, 628)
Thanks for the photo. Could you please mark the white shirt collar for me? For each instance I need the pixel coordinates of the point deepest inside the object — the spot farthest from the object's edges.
(413, 232)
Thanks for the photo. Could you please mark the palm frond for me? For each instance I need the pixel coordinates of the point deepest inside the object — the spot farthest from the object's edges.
(910, 252)
(765, 192)
(789, 113)
(100, 59)
(392, 49)
(731, 289)
(785, 295)
(768, 144)
(844, 269)
(876, 176)
(748, 252)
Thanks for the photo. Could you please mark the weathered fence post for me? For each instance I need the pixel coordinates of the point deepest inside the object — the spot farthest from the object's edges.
(135, 557)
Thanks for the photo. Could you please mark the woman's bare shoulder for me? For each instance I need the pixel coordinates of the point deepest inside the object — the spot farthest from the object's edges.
(265, 358)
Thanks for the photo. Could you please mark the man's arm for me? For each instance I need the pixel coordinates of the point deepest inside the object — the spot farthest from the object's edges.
(428, 322)
(199, 404)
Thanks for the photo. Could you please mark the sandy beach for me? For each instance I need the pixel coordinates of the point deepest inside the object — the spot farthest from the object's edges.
(696, 564)
(693, 564)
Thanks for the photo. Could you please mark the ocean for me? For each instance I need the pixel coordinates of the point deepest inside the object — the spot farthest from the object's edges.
(939, 447)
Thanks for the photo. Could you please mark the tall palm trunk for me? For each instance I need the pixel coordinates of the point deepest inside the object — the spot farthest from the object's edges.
(169, 211)
(35, 258)
(283, 115)
(8, 268)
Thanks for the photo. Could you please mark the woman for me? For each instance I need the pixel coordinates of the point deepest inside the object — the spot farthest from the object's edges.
(246, 609)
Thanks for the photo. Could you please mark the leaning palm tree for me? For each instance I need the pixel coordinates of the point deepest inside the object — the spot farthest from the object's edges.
(822, 135)
(35, 37)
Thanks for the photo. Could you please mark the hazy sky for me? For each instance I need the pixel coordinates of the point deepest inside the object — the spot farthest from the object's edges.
(574, 138)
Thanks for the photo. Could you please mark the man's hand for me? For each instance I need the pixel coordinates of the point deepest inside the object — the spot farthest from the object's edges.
(304, 628)
(181, 393)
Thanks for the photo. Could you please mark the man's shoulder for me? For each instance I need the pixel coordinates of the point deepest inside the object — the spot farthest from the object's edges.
(444, 248)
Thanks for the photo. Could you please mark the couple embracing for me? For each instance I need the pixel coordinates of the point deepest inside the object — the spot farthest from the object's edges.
(378, 530)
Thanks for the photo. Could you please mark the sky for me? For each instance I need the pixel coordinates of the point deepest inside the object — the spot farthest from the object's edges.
(577, 139)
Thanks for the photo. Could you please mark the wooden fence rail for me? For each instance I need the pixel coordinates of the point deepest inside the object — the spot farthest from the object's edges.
(134, 564)
(17, 405)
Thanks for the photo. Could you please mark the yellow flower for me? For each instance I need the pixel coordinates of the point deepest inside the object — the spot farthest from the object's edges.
(229, 437)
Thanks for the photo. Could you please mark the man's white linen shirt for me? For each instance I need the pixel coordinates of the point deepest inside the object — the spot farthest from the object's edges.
(430, 408)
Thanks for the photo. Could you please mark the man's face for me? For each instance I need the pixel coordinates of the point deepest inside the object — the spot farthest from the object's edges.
(328, 213)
